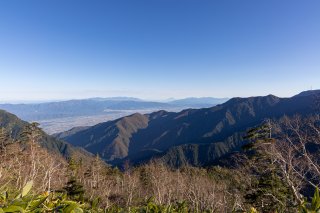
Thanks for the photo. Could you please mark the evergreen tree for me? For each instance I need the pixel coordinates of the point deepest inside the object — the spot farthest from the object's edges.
(268, 192)
(145, 178)
(74, 189)
(4, 140)
(31, 134)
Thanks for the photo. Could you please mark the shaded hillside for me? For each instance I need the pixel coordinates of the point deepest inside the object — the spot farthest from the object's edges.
(15, 126)
(11, 123)
(186, 154)
(210, 132)
(70, 132)
(111, 139)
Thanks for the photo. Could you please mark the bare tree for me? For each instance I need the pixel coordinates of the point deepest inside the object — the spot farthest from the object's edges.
(295, 152)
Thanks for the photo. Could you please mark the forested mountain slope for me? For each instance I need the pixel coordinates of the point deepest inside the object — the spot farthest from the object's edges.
(195, 136)
(15, 128)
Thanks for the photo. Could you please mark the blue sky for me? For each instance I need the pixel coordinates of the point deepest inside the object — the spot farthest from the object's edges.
(156, 49)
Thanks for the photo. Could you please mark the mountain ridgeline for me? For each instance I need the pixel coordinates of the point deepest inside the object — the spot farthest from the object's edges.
(100, 106)
(196, 137)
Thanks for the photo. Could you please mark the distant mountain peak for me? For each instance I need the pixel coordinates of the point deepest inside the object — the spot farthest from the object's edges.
(270, 99)
(115, 99)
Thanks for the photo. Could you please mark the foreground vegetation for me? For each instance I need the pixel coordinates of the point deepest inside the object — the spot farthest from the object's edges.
(59, 202)
(276, 173)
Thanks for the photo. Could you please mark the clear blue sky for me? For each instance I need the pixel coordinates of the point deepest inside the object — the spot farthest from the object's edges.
(155, 49)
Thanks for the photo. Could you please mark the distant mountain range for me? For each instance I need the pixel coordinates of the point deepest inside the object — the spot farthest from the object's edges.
(100, 106)
(198, 102)
(193, 136)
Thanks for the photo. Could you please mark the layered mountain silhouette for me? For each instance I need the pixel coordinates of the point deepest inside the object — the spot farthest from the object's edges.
(15, 126)
(99, 106)
(192, 136)
(198, 102)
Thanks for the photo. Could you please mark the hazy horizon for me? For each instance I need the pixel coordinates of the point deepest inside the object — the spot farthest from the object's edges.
(168, 99)
(155, 50)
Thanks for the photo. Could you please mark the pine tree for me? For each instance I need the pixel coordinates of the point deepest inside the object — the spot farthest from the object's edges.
(73, 188)
(267, 191)
(31, 134)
